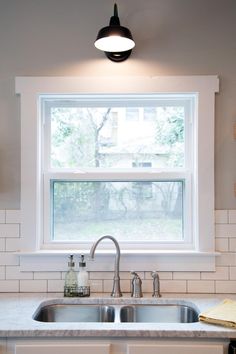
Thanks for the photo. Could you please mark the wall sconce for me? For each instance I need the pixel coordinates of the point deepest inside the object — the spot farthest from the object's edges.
(116, 41)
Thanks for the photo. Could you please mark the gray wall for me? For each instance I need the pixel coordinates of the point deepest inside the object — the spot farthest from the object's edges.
(173, 37)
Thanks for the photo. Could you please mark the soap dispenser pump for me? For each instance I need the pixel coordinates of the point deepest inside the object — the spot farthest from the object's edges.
(71, 284)
(83, 281)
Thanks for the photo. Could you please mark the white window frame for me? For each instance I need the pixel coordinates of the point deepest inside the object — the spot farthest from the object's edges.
(202, 257)
(128, 174)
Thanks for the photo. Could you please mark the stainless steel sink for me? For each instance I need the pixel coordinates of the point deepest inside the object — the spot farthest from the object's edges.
(155, 313)
(158, 313)
(75, 313)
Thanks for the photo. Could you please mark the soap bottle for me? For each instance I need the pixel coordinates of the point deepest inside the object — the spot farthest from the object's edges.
(71, 284)
(83, 281)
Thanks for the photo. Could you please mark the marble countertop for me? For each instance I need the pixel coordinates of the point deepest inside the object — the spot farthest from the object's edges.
(17, 311)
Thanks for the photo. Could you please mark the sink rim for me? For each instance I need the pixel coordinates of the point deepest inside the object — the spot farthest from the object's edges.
(122, 301)
(117, 305)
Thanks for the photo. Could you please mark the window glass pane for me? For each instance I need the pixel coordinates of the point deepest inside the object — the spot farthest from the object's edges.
(131, 211)
(109, 137)
(149, 113)
(132, 114)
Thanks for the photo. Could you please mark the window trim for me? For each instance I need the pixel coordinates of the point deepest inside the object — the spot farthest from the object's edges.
(29, 88)
(113, 174)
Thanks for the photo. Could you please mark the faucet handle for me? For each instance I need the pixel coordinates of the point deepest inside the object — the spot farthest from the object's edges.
(154, 274)
(156, 284)
(136, 285)
(135, 274)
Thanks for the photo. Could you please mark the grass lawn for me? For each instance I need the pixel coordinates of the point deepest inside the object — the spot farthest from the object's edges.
(124, 230)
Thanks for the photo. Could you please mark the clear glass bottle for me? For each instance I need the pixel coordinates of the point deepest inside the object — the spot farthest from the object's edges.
(83, 280)
(71, 284)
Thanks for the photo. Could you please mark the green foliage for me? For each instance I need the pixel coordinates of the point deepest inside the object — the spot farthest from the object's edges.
(75, 136)
(170, 133)
(170, 125)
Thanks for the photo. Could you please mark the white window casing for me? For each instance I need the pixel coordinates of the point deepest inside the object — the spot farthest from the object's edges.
(202, 256)
(165, 174)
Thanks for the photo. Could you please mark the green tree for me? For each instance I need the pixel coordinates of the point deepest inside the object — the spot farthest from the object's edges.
(170, 133)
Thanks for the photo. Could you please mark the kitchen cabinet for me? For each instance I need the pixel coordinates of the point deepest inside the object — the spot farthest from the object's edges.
(65, 348)
(115, 346)
(177, 348)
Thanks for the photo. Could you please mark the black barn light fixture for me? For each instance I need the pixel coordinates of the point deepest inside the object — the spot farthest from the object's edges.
(116, 41)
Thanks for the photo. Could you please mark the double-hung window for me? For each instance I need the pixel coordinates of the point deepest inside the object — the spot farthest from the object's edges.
(131, 158)
(118, 165)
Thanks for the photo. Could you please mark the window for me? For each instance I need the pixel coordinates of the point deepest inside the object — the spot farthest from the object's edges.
(137, 165)
(84, 150)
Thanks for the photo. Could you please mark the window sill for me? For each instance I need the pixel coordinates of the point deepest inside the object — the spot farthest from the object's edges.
(130, 260)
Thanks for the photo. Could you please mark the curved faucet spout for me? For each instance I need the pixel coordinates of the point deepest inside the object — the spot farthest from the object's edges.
(116, 292)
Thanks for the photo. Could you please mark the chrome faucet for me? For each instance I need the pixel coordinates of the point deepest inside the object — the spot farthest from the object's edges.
(136, 290)
(156, 284)
(116, 292)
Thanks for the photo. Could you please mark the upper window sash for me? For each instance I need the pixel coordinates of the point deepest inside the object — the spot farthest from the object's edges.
(187, 101)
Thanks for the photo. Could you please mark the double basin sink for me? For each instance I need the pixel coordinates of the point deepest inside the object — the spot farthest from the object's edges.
(136, 313)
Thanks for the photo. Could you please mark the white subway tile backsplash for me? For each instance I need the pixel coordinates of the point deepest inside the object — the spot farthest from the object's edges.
(232, 216)
(2, 216)
(107, 286)
(226, 259)
(232, 273)
(96, 286)
(221, 273)
(9, 230)
(221, 216)
(100, 275)
(222, 244)
(226, 287)
(33, 286)
(232, 244)
(124, 284)
(201, 286)
(47, 275)
(13, 244)
(13, 216)
(186, 275)
(2, 272)
(7, 258)
(14, 273)
(8, 286)
(225, 230)
(56, 286)
(147, 286)
(110, 275)
(173, 286)
(2, 244)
